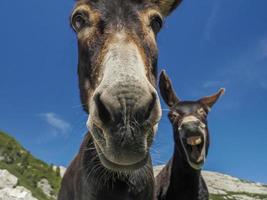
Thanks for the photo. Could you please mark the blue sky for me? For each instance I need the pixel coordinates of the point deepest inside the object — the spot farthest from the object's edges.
(204, 45)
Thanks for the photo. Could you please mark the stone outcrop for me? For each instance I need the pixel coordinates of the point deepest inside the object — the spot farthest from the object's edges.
(18, 193)
(7, 180)
(9, 189)
(223, 186)
(44, 185)
(62, 170)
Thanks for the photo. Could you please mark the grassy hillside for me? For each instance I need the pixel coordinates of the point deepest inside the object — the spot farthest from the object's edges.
(237, 196)
(29, 170)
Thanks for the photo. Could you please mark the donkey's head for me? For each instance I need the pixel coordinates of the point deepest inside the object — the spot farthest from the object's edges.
(189, 121)
(117, 75)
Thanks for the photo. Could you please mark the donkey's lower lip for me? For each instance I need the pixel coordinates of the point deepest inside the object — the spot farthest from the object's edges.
(120, 167)
(100, 143)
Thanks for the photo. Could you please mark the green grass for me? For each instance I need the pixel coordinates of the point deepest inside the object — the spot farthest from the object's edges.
(29, 170)
(230, 196)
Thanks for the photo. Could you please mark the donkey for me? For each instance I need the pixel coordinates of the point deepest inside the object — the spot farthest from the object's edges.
(181, 178)
(117, 70)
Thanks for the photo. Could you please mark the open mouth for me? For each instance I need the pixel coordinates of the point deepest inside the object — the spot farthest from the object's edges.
(194, 147)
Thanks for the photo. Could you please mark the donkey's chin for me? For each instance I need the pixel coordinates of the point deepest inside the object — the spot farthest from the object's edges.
(118, 166)
(116, 160)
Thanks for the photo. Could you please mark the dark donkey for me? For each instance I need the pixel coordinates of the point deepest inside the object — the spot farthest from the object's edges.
(117, 77)
(181, 178)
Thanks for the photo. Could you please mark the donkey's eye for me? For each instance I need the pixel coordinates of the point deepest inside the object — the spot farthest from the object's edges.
(156, 23)
(174, 115)
(79, 21)
(201, 111)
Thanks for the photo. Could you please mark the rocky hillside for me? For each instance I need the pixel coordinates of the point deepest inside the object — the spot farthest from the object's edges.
(222, 187)
(9, 188)
(23, 177)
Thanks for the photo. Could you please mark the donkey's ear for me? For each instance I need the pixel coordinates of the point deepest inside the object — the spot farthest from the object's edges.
(167, 6)
(211, 100)
(166, 90)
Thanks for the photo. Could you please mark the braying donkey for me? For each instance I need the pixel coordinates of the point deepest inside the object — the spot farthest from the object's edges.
(181, 178)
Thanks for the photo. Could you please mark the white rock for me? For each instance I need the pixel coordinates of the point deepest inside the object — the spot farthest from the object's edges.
(7, 180)
(2, 158)
(244, 197)
(44, 185)
(157, 169)
(18, 193)
(8, 189)
(62, 170)
(228, 186)
(217, 181)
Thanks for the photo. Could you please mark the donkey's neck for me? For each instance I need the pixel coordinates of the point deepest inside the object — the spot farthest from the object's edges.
(101, 183)
(184, 181)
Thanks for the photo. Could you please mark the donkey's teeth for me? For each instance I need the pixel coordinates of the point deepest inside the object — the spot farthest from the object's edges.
(194, 140)
(200, 159)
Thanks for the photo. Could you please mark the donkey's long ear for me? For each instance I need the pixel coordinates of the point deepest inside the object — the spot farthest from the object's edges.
(211, 100)
(166, 90)
(167, 6)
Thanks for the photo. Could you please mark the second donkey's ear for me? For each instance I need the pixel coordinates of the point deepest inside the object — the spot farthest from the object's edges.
(167, 6)
(166, 90)
(211, 100)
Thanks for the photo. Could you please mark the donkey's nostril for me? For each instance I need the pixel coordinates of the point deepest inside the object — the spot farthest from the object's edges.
(103, 111)
(192, 126)
(150, 107)
(111, 110)
(145, 110)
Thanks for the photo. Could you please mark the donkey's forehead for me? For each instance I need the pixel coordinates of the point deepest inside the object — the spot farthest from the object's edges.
(187, 107)
(130, 14)
(117, 7)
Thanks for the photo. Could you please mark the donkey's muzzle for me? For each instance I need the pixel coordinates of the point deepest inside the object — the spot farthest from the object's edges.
(112, 110)
(192, 127)
(126, 103)
(126, 121)
(193, 135)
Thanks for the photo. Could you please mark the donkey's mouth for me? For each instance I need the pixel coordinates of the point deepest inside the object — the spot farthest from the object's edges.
(123, 160)
(194, 147)
(107, 163)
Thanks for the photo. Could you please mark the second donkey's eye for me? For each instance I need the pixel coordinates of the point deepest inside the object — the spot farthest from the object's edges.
(201, 111)
(174, 115)
(156, 23)
(79, 21)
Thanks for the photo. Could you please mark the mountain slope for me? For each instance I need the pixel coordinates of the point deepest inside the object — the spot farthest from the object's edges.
(32, 173)
(25, 176)
(223, 187)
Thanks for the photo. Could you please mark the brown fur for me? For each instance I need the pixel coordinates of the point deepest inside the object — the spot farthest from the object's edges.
(129, 110)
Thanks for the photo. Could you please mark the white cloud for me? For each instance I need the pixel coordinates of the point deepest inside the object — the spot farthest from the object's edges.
(212, 19)
(263, 46)
(213, 84)
(246, 69)
(59, 126)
